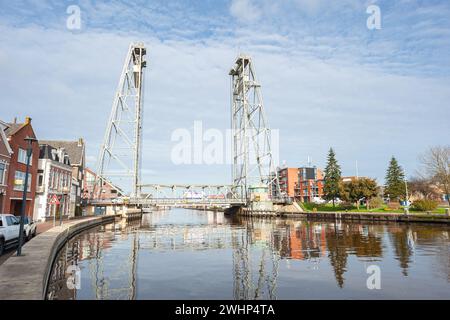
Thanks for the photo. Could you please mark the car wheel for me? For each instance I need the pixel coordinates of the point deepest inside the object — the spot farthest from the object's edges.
(34, 233)
(30, 235)
(2, 246)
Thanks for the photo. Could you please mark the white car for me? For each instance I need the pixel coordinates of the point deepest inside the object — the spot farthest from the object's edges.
(29, 226)
(9, 231)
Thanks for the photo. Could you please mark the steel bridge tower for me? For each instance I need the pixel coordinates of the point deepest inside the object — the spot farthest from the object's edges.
(120, 154)
(252, 154)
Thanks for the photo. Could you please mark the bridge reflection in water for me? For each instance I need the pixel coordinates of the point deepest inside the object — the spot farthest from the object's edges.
(195, 255)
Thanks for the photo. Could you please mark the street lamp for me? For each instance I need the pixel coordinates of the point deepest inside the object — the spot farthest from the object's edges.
(406, 200)
(25, 187)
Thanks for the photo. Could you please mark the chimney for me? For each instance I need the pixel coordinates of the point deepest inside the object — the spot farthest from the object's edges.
(27, 120)
(15, 120)
(80, 142)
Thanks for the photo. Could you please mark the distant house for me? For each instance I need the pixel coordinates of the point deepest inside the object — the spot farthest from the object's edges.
(77, 158)
(54, 182)
(107, 192)
(16, 134)
(5, 158)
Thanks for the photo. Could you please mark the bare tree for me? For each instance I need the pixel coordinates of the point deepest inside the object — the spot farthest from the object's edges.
(436, 165)
(423, 187)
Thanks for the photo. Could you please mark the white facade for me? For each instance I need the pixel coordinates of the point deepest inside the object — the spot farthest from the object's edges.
(54, 179)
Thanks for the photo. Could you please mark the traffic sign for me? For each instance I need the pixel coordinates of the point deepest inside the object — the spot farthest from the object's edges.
(54, 199)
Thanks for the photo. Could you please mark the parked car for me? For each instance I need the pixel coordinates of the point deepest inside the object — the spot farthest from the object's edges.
(9, 231)
(29, 226)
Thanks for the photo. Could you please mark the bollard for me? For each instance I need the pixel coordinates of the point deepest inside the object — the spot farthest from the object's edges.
(447, 212)
(406, 210)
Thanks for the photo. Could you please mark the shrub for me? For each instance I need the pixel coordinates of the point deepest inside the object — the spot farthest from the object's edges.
(425, 205)
(346, 205)
(376, 203)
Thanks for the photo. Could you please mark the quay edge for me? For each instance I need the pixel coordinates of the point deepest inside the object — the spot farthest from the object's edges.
(26, 277)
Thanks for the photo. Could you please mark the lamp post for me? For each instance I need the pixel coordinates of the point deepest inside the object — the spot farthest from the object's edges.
(24, 197)
(407, 196)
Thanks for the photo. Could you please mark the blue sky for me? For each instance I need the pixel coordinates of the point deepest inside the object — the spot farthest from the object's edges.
(327, 79)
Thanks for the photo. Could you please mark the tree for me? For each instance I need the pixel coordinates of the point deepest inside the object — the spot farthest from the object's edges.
(358, 189)
(332, 178)
(436, 162)
(423, 188)
(395, 187)
(369, 189)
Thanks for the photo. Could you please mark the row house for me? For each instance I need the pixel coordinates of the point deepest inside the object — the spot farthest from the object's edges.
(5, 158)
(14, 173)
(54, 182)
(76, 151)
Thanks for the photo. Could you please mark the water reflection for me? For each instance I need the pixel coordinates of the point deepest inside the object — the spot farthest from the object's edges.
(194, 255)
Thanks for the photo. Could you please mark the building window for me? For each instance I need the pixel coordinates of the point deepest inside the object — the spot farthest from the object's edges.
(22, 157)
(2, 173)
(19, 181)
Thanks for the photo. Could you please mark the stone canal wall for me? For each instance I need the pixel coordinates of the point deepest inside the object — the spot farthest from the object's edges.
(26, 277)
(372, 216)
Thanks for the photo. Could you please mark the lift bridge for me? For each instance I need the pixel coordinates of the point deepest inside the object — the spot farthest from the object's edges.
(121, 152)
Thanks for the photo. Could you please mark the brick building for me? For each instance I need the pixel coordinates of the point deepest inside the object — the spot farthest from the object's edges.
(309, 185)
(303, 184)
(108, 190)
(16, 134)
(5, 158)
(288, 178)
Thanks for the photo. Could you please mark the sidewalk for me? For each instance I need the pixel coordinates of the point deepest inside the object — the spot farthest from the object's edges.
(41, 227)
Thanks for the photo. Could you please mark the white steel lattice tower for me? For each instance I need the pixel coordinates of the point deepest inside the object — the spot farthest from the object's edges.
(253, 163)
(120, 154)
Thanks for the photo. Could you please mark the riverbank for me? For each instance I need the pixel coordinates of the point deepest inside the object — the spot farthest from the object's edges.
(372, 216)
(26, 277)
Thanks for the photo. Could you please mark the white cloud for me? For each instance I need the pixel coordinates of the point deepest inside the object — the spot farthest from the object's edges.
(245, 10)
(320, 90)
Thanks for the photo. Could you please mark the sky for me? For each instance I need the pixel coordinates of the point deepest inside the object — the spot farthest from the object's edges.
(327, 79)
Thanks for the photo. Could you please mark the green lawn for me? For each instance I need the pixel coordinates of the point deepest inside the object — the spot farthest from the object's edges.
(329, 207)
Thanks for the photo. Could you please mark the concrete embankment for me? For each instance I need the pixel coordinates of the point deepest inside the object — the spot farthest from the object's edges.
(371, 216)
(26, 277)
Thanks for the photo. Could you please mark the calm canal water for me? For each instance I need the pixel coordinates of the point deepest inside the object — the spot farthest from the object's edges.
(188, 254)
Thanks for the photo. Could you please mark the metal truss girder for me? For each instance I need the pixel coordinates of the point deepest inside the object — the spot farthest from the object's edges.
(124, 129)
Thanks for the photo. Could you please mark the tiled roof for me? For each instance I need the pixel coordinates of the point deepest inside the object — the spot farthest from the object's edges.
(13, 128)
(73, 149)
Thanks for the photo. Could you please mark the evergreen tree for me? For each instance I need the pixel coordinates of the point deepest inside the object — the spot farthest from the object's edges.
(395, 181)
(331, 188)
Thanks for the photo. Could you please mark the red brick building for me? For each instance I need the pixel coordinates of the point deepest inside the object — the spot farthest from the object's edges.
(288, 178)
(108, 191)
(309, 184)
(301, 184)
(5, 158)
(16, 134)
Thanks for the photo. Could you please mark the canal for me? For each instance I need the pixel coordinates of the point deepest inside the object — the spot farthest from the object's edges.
(189, 254)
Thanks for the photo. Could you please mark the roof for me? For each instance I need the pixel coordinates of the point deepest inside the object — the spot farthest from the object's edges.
(3, 137)
(74, 149)
(12, 128)
(49, 152)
